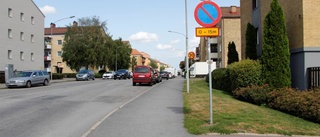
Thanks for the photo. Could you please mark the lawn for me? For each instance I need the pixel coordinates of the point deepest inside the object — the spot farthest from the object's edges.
(233, 116)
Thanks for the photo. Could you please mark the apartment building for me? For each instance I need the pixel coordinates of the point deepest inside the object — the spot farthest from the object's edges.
(230, 31)
(21, 37)
(302, 28)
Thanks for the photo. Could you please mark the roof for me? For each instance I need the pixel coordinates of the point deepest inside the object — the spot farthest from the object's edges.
(135, 52)
(226, 12)
(55, 31)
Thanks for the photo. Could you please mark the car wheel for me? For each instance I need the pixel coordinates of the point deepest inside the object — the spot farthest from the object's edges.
(134, 83)
(93, 78)
(115, 78)
(151, 83)
(45, 83)
(87, 79)
(28, 85)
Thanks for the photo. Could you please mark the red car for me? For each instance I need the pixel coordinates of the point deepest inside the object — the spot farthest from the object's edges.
(143, 74)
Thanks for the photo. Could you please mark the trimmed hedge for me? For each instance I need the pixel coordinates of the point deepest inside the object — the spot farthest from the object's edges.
(304, 104)
(254, 94)
(244, 73)
(220, 79)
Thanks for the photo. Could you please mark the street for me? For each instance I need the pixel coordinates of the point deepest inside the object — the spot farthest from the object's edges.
(66, 109)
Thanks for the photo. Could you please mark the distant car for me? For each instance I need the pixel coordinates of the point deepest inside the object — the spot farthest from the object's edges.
(157, 76)
(29, 78)
(85, 75)
(143, 74)
(164, 74)
(108, 75)
(122, 74)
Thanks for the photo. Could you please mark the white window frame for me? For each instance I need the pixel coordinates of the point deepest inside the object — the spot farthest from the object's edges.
(59, 52)
(32, 38)
(32, 57)
(9, 54)
(32, 20)
(21, 55)
(58, 42)
(10, 12)
(9, 33)
(21, 16)
(22, 36)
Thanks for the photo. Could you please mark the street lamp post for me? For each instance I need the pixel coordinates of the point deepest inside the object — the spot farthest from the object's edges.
(51, 29)
(187, 59)
(116, 58)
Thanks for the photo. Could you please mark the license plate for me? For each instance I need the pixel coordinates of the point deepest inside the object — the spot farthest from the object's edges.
(141, 76)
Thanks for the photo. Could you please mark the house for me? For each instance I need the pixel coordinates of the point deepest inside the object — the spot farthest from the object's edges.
(21, 37)
(302, 24)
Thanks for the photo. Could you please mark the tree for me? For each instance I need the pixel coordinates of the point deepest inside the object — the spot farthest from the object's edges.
(133, 62)
(162, 68)
(85, 44)
(275, 59)
(119, 53)
(251, 42)
(153, 64)
(182, 65)
(232, 53)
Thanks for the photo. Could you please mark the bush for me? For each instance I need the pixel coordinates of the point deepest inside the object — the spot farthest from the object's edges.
(101, 71)
(98, 75)
(220, 79)
(70, 75)
(303, 104)
(253, 94)
(57, 76)
(244, 73)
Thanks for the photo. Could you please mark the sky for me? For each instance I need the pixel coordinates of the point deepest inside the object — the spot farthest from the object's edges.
(144, 23)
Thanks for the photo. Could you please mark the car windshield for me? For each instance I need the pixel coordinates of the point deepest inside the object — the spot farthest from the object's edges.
(162, 72)
(109, 72)
(141, 70)
(83, 71)
(24, 74)
(121, 70)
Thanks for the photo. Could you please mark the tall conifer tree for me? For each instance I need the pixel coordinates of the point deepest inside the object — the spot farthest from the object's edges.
(275, 57)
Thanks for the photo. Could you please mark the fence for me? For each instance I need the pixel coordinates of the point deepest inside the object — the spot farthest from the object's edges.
(313, 77)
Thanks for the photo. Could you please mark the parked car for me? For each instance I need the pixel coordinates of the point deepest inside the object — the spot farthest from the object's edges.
(143, 74)
(157, 75)
(164, 74)
(29, 78)
(85, 75)
(108, 75)
(122, 74)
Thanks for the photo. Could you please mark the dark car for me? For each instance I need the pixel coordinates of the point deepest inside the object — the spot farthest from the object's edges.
(157, 76)
(85, 75)
(164, 74)
(143, 74)
(122, 74)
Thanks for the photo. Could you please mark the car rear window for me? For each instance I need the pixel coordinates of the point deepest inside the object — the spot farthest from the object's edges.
(141, 70)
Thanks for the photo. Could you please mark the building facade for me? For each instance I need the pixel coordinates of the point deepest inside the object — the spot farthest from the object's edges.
(302, 30)
(21, 37)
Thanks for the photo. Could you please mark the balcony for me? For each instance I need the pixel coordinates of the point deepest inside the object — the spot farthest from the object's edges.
(47, 58)
(47, 46)
(47, 69)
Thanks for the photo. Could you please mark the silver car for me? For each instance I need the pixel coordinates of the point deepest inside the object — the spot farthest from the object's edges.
(29, 78)
(85, 75)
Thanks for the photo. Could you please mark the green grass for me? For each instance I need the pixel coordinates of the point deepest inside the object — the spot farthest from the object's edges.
(233, 116)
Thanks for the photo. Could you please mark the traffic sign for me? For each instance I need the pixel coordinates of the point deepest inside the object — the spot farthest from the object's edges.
(207, 32)
(191, 55)
(207, 14)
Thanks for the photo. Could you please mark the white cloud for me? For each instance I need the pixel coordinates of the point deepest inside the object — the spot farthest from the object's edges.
(175, 41)
(144, 37)
(164, 46)
(48, 9)
(193, 43)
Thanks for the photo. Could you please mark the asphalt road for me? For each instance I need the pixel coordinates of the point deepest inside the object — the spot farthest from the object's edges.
(66, 109)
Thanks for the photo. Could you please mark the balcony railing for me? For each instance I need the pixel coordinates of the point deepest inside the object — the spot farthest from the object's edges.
(47, 46)
(47, 58)
(47, 69)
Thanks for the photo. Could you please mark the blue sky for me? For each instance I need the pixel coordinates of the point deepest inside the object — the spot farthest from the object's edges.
(145, 23)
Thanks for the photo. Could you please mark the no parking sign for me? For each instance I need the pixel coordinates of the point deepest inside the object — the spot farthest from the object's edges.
(207, 14)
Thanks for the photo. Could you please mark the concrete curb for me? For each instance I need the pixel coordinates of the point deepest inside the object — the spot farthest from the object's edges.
(252, 134)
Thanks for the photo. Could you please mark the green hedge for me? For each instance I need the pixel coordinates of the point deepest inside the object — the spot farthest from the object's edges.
(304, 104)
(220, 79)
(254, 94)
(244, 73)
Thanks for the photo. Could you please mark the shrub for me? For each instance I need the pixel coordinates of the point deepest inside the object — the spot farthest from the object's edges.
(305, 104)
(102, 71)
(70, 75)
(244, 73)
(220, 79)
(57, 76)
(253, 94)
(98, 75)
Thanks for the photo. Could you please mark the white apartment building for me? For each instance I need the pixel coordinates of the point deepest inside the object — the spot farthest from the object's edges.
(21, 35)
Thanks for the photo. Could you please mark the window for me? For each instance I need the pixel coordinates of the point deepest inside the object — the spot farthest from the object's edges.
(258, 40)
(254, 4)
(59, 53)
(32, 38)
(59, 42)
(10, 33)
(32, 20)
(21, 36)
(21, 55)
(220, 47)
(9, 54)
(32, 57)
(10, 12)
(213, 48)
(22, 16)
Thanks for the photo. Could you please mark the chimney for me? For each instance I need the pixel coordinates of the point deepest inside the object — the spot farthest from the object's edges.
(233, 9)
(52, 25)
(75, 24)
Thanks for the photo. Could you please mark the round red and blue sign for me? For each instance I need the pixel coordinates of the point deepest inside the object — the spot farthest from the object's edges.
(207, 14)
